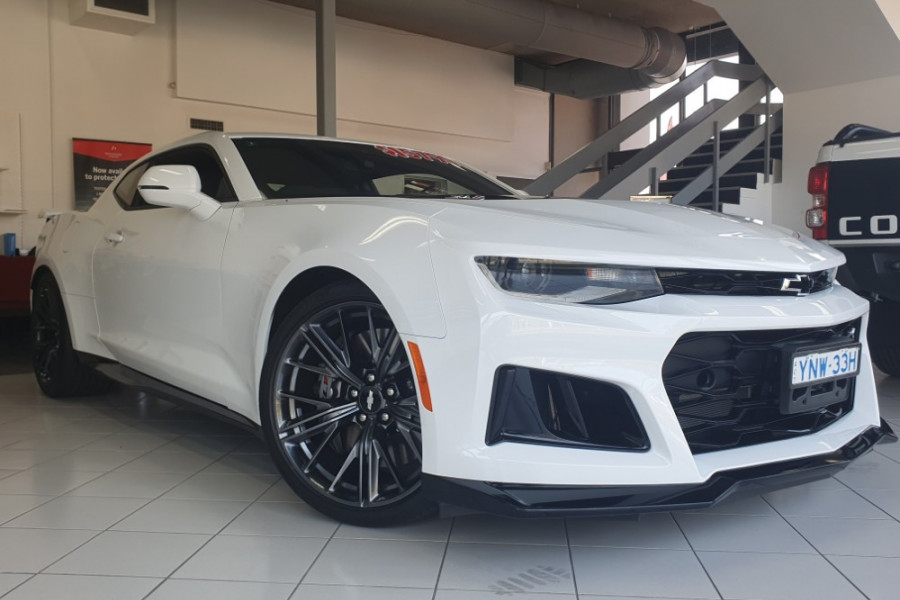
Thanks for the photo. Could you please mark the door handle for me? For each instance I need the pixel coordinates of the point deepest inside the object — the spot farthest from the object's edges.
(114, 237)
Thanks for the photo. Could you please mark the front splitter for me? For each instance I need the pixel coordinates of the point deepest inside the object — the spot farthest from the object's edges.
(530, 500)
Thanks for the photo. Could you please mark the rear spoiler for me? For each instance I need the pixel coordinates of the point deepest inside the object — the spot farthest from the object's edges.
(49, 215)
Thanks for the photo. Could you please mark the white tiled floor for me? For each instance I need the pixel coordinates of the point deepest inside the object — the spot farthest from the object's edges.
(127, 497)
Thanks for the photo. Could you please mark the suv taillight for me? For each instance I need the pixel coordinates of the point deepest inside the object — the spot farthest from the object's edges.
(817, 216)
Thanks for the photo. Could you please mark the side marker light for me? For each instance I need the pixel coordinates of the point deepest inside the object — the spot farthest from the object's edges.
(421, 377)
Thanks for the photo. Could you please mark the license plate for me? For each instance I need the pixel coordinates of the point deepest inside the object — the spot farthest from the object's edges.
(824, 365)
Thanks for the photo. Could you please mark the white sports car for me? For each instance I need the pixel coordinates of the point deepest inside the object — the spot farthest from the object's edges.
(404, 331)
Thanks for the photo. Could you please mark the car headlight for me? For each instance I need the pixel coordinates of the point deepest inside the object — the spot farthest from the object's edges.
(561, 281)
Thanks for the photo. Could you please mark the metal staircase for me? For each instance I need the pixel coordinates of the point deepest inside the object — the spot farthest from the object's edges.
(691, 152)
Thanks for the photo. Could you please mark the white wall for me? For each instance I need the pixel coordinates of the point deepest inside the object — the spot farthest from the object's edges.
(812, 44)
(813, 117)
(384, 76)
(576, 125)
(25, 96)
(66, 81)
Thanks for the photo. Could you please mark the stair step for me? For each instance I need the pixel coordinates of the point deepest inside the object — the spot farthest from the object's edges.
(705, 158)
(742, 132)
(745, 180)
(729, 195)
(692, 171)
(731, 143)
(617, 159)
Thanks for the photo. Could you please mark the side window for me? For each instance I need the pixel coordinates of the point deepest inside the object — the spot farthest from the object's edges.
(213, 181)
(126, 192)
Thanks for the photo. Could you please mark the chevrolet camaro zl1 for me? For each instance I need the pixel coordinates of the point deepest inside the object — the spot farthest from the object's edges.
(403, 331)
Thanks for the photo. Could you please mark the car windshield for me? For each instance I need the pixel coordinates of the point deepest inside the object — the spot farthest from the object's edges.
(296, 168)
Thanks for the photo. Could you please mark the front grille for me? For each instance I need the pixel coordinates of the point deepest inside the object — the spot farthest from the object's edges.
(730, 389)
(743, 283)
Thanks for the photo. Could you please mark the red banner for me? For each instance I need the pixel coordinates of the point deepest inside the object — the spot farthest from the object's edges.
(97, 163)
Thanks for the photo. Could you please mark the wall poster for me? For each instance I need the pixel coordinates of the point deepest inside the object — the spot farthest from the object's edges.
(97, 163)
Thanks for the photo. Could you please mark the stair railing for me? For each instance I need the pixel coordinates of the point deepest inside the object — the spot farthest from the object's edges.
(723, 163)
(673, 146)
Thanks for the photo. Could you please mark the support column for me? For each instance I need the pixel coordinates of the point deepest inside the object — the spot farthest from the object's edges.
(326, 87)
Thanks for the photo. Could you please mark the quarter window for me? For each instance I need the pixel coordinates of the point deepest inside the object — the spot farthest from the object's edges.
(126, 192)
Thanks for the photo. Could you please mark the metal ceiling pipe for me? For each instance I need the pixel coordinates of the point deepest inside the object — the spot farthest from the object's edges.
(504, 25)
(588, 79)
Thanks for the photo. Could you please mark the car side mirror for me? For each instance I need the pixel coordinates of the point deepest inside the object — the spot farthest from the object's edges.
(177, 186)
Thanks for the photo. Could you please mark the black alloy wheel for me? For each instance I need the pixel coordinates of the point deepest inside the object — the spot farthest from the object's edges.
(58, 371)
(340, 409)
(46, 332)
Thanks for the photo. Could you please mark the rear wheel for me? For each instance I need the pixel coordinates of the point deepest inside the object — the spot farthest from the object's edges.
(340, 409)
(884, 335)
(58, 371)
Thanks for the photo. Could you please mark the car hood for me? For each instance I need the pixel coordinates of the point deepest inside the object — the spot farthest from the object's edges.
(627, 233)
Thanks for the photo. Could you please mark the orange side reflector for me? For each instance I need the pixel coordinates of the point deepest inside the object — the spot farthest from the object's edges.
(420, 375)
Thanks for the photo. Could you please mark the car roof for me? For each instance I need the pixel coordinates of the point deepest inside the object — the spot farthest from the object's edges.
(213, 136)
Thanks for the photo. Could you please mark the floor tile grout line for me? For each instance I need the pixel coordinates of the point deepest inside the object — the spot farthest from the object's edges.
(211, 537)
(157, 497)
(887, 456)
(818, 552)
(154, 588)
(855, 491)
(51, 499)
(571, 557)
(103, 436)
(14, 588)
(93, 537)
(111, 576)
(60, 495)
(315, 560)
(101, 532)
(850, 581)
(437, 580)
(888, 516)
(697, 556)
(65, 495)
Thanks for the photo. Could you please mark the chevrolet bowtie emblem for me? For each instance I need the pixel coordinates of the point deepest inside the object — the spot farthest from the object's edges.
(799, 284)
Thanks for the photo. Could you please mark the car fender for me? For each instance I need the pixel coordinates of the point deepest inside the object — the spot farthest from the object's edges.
(405, 283)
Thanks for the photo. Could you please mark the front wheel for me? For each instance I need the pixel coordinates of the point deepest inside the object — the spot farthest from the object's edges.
(340, 410)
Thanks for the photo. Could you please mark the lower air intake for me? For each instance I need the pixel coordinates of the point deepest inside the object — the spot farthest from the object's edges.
(533, 406)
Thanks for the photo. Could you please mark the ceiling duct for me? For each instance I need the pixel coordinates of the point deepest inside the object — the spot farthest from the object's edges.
(588, 79)
(532, 26)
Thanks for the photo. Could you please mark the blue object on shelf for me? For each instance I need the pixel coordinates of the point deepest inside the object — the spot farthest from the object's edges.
(9, 244)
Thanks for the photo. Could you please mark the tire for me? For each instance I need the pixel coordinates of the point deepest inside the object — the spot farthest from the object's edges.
(884, 336)
(340, 411)
(57, 369)
(887, 359)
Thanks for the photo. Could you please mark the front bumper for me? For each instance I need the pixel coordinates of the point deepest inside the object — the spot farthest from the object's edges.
(625, 346)
(583, 501)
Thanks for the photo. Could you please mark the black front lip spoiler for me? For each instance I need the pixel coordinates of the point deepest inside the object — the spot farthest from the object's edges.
(521, 500)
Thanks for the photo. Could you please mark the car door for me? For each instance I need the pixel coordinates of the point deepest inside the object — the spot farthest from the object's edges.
(157, 285)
